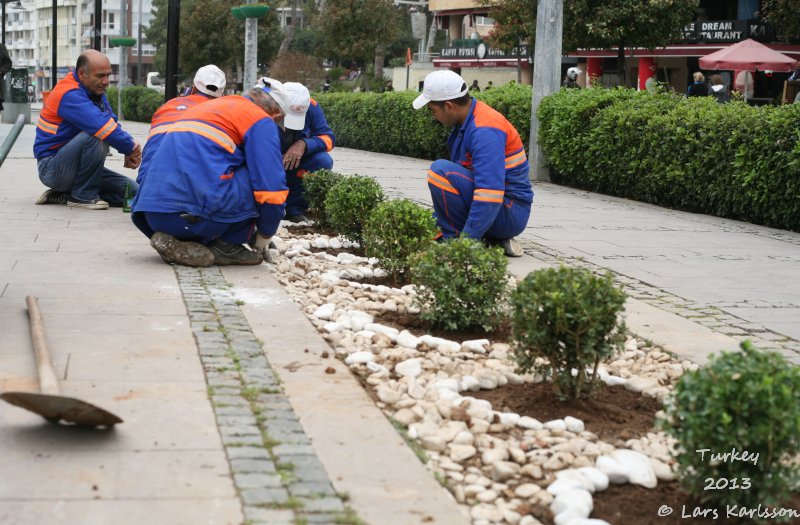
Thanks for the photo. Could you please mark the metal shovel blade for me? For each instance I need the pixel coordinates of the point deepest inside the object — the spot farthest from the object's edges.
(62, 408)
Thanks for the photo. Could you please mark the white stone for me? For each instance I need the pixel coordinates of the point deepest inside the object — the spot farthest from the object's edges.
(576, 478)
(469, 383)
(405, 416)
(383, 329)
(375, 368)
(462, 452)
(320, 242)
(574, 499)
(387, 395)
(407, 339)
(486, 513)
(504, 470)
(598, 478)
(465, 437)
(527, 490)
(558, 461)
(508, 418)
(487, 496)
(493, 455)
(332, 327)
(662, 470)
(325, 312)
(614, 380)
(637, 466)
(589, 521)
(434, 443)
(569, 516)
(530, 423)
(639, 384)
(409, 367)
(446, 384)
(359, 358)
(557, 425)
(475, 345)
(574, 424)
(613, 469)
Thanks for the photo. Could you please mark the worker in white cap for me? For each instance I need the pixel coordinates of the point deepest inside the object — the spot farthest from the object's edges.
(305, 144)
(209, 82)
(215, 178)
(484, 190)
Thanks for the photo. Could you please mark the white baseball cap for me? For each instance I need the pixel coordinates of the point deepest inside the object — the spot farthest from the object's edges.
(292, 100)
(441, 85)
(210, 80)
(299, 100)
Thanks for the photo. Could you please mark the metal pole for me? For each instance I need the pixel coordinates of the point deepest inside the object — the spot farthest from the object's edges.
(54, 44)
(11, 138)
(546, 73)
(4, 22)
(98, 24)
(173, 24)
(250, 51)
(139, 49)
(123, 56)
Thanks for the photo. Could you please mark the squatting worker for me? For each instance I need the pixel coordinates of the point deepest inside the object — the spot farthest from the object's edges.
(484, 191)
(306, 140)
(216, 175)
(75, 128)
(209, 83)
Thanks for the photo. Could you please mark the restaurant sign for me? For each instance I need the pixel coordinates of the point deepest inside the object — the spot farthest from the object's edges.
(722, 30)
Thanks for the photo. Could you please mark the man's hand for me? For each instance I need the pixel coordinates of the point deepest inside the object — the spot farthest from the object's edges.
(263, 245)
(291, 159)
(134, 158)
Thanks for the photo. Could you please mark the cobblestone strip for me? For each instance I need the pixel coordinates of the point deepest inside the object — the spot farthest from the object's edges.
(278, 476)
(709, 316)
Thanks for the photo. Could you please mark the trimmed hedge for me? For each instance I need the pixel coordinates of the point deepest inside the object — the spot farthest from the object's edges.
(386, 122)
(730, 160)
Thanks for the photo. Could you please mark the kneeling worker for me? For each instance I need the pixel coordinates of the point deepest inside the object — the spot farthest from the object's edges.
(216, 175)
(484, 191)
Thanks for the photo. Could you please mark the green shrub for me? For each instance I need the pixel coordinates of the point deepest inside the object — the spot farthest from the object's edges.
(570, 317)
(349, 203)
(743, 401)
(461, 284)
(316, 186)
(394, 231)
(138, 102)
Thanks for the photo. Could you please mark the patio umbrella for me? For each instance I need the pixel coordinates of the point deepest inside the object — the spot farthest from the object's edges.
(748, 55)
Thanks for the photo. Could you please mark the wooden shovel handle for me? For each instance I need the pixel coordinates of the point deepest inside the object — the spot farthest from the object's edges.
(48, 382)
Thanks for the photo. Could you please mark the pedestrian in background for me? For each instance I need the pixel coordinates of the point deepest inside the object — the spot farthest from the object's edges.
(718, 89)
(5, 67)
(698, 87)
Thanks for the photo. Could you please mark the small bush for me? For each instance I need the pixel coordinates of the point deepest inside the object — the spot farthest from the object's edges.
(462, 284)
(138, 102)
(394, 231)
(743, 401)
(316, 186)
(349, 202)
(570, 317)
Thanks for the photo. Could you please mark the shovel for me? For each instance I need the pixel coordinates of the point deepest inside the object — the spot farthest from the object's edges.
(49, 403)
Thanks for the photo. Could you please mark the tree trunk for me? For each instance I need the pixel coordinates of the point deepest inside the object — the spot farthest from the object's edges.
(289, 32)
(379, 52)
(622, 68)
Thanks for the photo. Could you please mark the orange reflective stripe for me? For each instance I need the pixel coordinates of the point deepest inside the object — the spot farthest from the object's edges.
(482, 194)
(328, 142)
(226, 176)
(106, 130)
(516, 160)
(156, 131)
(47, 127)
(271, 197)
(440, 182)
(210, 132)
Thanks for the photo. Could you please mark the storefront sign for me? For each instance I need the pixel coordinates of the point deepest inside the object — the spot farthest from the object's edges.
(723, 30)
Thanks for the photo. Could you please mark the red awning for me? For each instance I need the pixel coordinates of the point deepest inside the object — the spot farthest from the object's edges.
(748, 55)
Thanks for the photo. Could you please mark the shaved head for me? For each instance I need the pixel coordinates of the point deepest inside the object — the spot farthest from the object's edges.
(94, 70)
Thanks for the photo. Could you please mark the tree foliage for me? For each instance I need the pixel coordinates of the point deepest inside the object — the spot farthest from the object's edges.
(605, 24)
(785, 15)
(209, 34)
(354, 29)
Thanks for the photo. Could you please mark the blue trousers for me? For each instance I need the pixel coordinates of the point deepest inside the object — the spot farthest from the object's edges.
(78, 169)
(452, 209)
(203, 230)
(296, 202)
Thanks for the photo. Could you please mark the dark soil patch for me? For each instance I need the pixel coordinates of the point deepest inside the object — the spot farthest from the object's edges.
(613, 413)
(635, 505)
(418, 326)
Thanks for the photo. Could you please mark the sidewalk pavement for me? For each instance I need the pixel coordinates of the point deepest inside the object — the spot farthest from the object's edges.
(214, 432)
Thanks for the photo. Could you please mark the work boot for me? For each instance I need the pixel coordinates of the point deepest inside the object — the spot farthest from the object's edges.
(185, 253)
(52, 197)
(297, 218)
(512, 248)
(226, 253)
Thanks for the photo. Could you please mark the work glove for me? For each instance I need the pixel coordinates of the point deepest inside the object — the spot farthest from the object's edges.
(263, 245)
